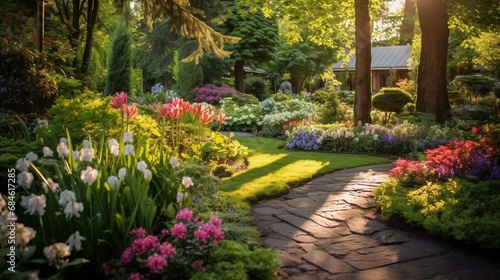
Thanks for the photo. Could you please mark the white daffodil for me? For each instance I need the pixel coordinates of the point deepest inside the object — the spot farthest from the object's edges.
(75, 241)
(47, 152)
(73, 209)
(113, 181)
(24, 179)
(187, 182)
(174, 162)
(114, 147)
(129, 150)
(128, 137)
(89, 175)
(34, 203)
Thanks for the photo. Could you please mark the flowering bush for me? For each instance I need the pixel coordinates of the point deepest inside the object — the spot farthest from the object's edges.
(455, 159)
(240, 118)
(284, 112)
(179, 252)
(213, 94)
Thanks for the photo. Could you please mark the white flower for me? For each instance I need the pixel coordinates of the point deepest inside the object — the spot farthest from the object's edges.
(112, 181)
(75, 241)
(66, 196)
(24, 235)
(128, 137)
(375, 136)
(62, 149)
(187, 182)
(47, 152)
(22, 164)
(141, 166)
(174, 162)
(122, 173)
(129, 150)
(76, 154)
(147, 174)
(86, 144)
(31, 156)
(57, 250)
(24, 179)
(89, 175)
(114, 147)
(87, 154)
(34, 203)
(52, 185)
(73, 209)
(63, 140)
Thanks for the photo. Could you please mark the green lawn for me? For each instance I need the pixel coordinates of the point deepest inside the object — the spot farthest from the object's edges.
(273, 170)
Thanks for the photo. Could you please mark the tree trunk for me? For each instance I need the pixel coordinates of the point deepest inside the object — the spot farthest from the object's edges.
(92, 11)
(239, 76)
(363, 91)
(408, 25)
(432, 95)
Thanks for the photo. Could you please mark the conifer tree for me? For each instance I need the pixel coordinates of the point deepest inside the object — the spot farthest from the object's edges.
(119, 76)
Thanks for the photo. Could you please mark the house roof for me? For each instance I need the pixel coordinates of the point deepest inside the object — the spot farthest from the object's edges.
(383, 58)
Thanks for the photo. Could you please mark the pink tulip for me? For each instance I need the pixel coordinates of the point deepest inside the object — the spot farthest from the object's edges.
(119, 100)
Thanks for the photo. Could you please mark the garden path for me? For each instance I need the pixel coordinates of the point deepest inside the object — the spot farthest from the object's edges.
(329, 229)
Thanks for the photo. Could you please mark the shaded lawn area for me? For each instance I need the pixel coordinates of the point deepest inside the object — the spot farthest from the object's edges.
(273, 170)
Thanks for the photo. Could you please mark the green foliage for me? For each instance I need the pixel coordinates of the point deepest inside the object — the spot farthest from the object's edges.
(329, 109)
(257, 86)
(68, 86)
(390, 100)
(23, 87)
(120, 62)
(346, 96)
(237, 261)
(90, 115)
(190, 76)
(474, 86)
(12, 150)
(458, 209)
(471, 113)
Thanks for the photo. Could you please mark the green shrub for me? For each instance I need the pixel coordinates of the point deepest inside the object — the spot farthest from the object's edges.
(120, 62)
(257, 86)
(471, 113)
(391, 100)
(90, 115)
(474, 86)
(237, 261)
(190, 76)
(496, 91)
(24, 88)
(459, 209)
(330, 109)
(346, 96)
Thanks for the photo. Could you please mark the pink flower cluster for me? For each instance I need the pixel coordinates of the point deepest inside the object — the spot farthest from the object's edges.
(177, 107)
(187, 245)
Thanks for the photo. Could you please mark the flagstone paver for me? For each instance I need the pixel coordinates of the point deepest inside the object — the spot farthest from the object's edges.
(328, 229)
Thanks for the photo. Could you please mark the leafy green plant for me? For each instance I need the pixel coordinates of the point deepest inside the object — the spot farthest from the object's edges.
(257, 86)
(330, 109)
(390, 100)
(453, 209)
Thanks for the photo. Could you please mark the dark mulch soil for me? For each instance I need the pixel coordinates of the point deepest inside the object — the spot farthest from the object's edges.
(400, 223)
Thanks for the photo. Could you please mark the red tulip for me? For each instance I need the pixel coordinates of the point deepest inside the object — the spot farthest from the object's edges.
(119, 99)
(206, 117)
(221, 117)
(170, 112)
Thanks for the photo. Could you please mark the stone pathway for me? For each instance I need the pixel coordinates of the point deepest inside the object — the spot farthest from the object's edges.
(327, 229)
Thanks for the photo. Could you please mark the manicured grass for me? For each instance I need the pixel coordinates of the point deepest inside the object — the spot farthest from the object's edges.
(273, 170)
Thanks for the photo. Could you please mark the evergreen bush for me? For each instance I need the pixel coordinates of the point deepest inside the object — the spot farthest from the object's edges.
(120, 62)
(257, 86)
(390, 100)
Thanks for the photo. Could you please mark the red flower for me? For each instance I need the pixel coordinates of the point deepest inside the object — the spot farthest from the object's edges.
(119, 99)
(129, 112)
(476, 129)
(170, 111)
(206, 117)
(221, 117)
